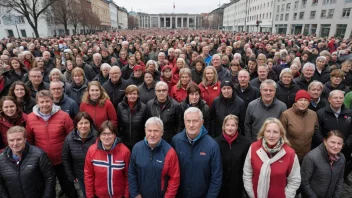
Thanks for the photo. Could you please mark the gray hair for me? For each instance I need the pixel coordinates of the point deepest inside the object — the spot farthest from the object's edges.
(193, 110)
(56, 70)
(97, 55)
(315, 83)
(155, 120)
(105, 65)
(161, 54)
(160, 84)
(285, 71)
(60, 82)
(320, 58)
(336, 91)
(152, 62)
(308, 65)
(268, 82)
(237, 55)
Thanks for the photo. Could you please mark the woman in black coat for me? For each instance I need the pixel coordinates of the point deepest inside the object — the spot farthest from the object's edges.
(131, 115)
(286, 89)
(233, 148)
(18, 71)
(22, 94)
(76, 146)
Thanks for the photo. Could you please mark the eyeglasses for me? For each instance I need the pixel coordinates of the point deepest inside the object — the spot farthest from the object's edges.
(161, 90)
(107, 134)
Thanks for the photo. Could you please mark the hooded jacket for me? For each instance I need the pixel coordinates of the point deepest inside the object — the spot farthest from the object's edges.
(145, 93)
(32, 177)
(221, 108)
(287, 94)
(131, 122)
(106, 171)
(49, 135)
(200, 165)
(74, 153)
(116, 91)
(319, 177)
(153, 172)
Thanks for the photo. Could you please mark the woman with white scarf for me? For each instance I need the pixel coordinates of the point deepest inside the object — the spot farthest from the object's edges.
(271, 168)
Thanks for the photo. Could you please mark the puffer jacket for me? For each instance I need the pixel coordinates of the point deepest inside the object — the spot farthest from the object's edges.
(184, 105)
(74, 153)
(145, 93)
(319, 177)
(99, 113)
(5, 125)
(76, 92)
(116, 91)
(13, 76)
(223, 107)
(131, 122)
(32, 177)
(287, 94)
(49, 135)
(170, 115)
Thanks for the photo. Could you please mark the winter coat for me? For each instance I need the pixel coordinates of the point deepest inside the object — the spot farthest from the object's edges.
(106, 172)
(126, 72)
(158, 166)
(13, 76)
(302, 82)
(200, 165)
(7, 85)
(233, 157)
(169, 114)
(145, 93)
(328, 122)
(131, 122)
(74, 153)
(321, 104)
(223, 74)
(301, 128)
(222, 107)
(100, 78)
(27, 106)
(99, 113)
(116, 91)
(184, 105)
(5, 125)
(76, 92)
(285, 176)
(42, 86)
(88, 71)
(255, 83)
(178, 93)
(319, 177)
(49, 135)
(248, 94)
(135, 81)
(68, 105)
(32, 177)
(322, 77)
(257, 112)
(197, 76)
(287, 94)
(209, 92)
(328, 88)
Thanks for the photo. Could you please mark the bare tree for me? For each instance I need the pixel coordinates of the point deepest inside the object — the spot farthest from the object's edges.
(61, 11)
(30, 9)
(76, 13)
(85, 14)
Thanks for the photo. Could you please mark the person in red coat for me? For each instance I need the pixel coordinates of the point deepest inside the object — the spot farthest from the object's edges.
(180, 64)
(210, 86)
(47, 127)
(271, 168)
(106, 165)
(95, 101)
(10, 115)
(178, 91)
(167, 77)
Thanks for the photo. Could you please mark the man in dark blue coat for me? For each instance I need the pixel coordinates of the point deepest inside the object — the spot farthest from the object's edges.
(199, 157)
(66, 103)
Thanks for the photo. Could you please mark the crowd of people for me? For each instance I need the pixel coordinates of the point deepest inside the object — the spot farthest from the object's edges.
(176, 113)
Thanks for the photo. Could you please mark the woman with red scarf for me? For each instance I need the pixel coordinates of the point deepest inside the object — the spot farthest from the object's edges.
(233, 148)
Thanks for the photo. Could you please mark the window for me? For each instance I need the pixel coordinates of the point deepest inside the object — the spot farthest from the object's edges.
(323, 14)
(331, 13)
(301, 15)
(329, 1)
(341, 30)
(286, 17)
(294, 16)
(346, 12)
(288, 6)
(314, 2)
(304, 3)
(296, 4)
(278, 8)
(325, 30)
(281, 17)
(312, 14)
(23, 33)
(283, 7)
(277, 18)
(19, 20)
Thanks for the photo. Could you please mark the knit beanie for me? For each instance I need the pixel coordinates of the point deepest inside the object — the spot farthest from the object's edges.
(302, 94)
(227, 83)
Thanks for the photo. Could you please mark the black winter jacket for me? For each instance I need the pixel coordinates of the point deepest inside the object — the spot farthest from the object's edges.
(302, 82)
(145, 93)
(322, 103)
(100, 78)
(7, 85)
(169, 114)
(88, 71)
(184, 105)
(76, 92)
(116, 91)
(328, 88)
(134, 80)
(222, 107)
(27, 106)
(322, 77)
(74, 153)
(287, 94)
(131, 123)
(42, 86)
(13, 76)
(233, 158)
(126, 72)
(248, 95)
(32, 177)
(197, 76)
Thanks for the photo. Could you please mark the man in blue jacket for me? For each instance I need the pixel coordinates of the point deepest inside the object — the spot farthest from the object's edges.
(199, 157)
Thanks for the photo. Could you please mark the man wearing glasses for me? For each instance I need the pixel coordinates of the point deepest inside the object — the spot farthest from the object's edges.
(115, 86)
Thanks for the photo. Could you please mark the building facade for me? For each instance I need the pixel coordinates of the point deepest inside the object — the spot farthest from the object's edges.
(122, 17)
(234, 18)
(261, 11)
(113, 15)
(171, 21)
(325, 18)
(101, 8)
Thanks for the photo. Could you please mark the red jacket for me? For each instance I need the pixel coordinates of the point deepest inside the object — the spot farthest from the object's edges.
(210, 92)
(105, 172)
(170, 83)
(49, 135)
(100, 114)
(179, 94)
(5, 125)
(172, 61)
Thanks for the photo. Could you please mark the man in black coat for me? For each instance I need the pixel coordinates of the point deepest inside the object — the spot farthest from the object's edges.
(244, 89)
(25, 170)
(115, 86)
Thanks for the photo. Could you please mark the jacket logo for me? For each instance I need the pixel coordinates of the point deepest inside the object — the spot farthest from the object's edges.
(159, 161)
(281, 161)
(202, 153)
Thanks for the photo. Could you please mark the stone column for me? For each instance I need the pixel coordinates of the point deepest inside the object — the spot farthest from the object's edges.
(187, 22)
(170, 21)
(158, 21)
(181, 22)
(164, 22)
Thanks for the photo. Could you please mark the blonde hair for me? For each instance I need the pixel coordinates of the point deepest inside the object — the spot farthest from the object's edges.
(184, 71)
(274, 121)
(103, 95)
(227, 118)
(204, 79)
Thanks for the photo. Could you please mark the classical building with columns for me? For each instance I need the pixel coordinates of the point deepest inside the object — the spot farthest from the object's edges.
(169, 20)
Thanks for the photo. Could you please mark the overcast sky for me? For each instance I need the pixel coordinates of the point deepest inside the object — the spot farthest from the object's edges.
(166, 6)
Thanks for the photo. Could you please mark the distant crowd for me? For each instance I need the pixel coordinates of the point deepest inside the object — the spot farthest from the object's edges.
(176, 113)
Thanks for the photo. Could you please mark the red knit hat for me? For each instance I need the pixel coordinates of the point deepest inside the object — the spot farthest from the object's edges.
(137, 67)
(302, 94)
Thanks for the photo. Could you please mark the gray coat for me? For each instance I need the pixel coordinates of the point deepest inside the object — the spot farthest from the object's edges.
(318, 178)
(257, 112)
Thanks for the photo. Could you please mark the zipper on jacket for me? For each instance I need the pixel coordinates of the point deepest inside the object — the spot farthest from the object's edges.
(18, 171)
(331, 172)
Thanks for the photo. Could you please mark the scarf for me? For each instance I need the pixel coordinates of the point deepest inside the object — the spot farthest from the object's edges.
(332, 159)
(229, 139)
(2, 83)
(274, 150)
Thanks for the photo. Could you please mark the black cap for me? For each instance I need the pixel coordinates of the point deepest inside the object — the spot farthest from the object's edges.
(227, 83)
